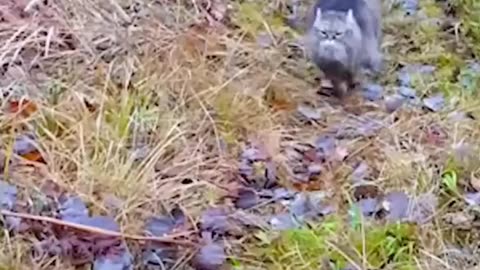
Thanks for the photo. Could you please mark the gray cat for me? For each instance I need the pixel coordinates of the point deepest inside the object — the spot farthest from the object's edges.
(343, 37)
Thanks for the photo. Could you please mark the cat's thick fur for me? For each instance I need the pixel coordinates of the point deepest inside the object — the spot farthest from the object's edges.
(343, 37)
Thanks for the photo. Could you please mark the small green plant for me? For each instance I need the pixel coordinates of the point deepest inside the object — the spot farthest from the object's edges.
(342, 244)
(450, 181)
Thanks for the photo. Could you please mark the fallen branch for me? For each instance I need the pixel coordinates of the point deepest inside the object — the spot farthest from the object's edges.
(166, 239)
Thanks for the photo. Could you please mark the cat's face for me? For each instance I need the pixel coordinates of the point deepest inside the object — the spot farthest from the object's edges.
(336, 35)
(334, 25)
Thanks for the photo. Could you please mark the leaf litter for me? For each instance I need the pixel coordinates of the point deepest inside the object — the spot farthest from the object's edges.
(261, 183)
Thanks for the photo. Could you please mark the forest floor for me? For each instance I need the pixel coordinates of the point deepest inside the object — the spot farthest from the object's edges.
(191, 135)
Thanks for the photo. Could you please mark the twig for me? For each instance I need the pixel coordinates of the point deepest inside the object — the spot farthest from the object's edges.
(86, 228)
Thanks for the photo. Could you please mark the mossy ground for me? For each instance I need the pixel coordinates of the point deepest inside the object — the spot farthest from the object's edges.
(192, 97)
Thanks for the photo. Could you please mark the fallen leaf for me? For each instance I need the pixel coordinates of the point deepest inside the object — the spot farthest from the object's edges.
(372, 92)
(393, 103)
(210, 257)
(407, 92)
(216, 220)
(472, 198)
(24, 107)
(396, 204)
(282, 194)
(8, 195)
(309, 113)
(159, 225)
(71, 208)
(326, 146)
(122, 261)
(284, 222)
(313, 204)
(246, 198)
(368, 206)
(24, 144)
(434, 103)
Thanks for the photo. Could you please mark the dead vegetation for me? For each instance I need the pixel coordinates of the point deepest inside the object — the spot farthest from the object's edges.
(176, 134)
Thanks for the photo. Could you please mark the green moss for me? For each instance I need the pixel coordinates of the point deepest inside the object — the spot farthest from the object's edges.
(340, 243)
(470, 19)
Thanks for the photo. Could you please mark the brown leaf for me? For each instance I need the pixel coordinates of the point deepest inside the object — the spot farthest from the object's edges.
(23, 107)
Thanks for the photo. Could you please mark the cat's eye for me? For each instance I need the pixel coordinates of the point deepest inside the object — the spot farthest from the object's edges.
(323, 33)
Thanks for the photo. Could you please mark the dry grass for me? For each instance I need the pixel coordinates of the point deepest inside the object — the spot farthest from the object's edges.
(174, 106)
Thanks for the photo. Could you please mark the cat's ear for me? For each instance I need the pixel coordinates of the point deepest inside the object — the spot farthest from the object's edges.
(350, 19)
(318, 17)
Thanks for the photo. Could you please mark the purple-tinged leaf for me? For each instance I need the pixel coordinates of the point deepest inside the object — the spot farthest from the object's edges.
(282, 194)
(215, 220)
(407, 92)
(314, 169)
(102, 222)
(311, 205)
(13, 223)
(178, 216)
(372, 92)
(159, 225)
(299, 206)
(246, 168)
(404, 78)
(253, 154)
(309, 112)
(24, 144)
(393, 103)
(369, 206)
(162, 225)
(72, 208)
(326, 145)
(210, 257)
(434, 103)
(122, 261)
(396, 203)
(247, 198)
(8, 195)
(472, 198)
(284, 222)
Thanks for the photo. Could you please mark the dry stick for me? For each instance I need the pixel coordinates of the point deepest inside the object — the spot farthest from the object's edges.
(166, 239)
